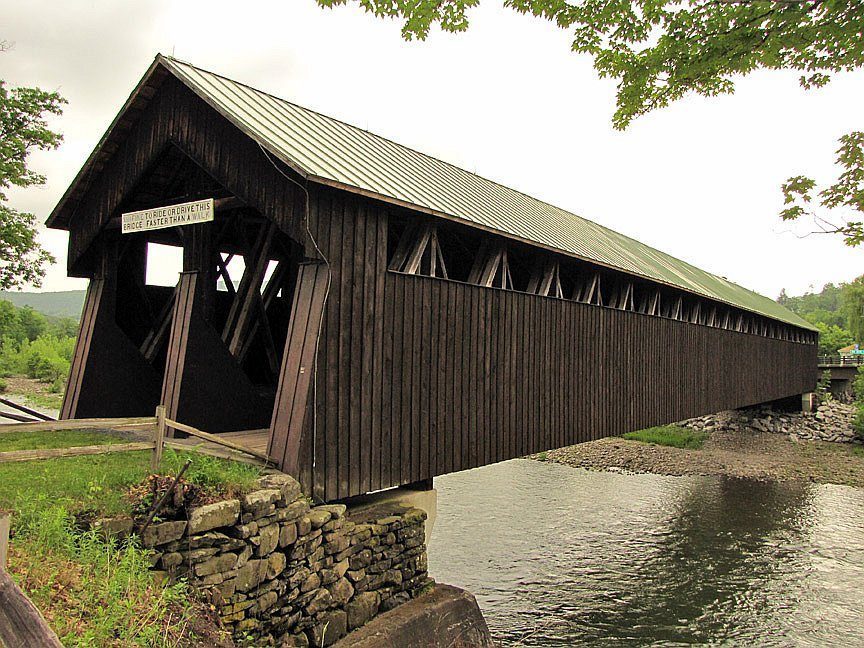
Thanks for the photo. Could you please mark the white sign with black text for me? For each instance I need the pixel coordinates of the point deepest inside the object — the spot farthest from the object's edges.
(189, 213)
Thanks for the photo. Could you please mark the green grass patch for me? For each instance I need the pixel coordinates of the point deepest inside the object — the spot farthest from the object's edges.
(46, 400)
(10, 441)
(98, 593)
(670, 435)
(98, 483)
(93, 591)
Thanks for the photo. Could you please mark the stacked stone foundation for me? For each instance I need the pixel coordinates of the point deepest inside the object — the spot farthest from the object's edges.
(281, 572)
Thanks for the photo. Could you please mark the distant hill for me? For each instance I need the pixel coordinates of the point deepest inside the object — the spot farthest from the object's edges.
(57, 304)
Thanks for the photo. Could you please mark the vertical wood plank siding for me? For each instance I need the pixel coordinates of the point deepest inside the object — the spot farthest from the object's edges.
(176, 116)
(418, 377)
(421, 376)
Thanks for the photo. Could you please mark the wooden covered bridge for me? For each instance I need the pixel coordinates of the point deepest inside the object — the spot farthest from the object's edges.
(385, 316)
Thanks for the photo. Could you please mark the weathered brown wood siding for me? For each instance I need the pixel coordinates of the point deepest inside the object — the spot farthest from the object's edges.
(175, 116)
(420, 376)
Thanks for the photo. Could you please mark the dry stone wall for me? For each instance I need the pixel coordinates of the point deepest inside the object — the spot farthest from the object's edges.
(282, 572)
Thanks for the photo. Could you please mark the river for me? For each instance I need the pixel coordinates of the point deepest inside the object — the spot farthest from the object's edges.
(559, 556)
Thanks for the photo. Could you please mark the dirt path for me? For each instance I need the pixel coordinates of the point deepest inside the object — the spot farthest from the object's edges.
(33, 394)
(753, 454)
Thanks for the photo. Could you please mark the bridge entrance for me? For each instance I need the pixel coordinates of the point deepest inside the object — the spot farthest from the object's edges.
(210, 347)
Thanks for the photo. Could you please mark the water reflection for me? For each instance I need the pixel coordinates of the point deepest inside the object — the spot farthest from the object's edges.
(559, 556)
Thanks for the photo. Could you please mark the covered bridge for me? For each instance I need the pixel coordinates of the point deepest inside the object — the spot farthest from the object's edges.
(387, 316)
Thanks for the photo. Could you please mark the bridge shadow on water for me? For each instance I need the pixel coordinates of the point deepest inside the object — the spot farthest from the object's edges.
(559, 556)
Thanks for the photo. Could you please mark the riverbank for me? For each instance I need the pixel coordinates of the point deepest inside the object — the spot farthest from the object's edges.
(746, 453)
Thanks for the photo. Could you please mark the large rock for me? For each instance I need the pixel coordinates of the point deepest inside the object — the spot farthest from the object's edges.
(319, 602)
(331, 627)
(285, 484)
(216, 565)
(160, 534)
(341, 591)
(213, 516)
(445, 617)
(267, 540)
(361, 610)
(318, 517)
(260, 502)
(251, 575)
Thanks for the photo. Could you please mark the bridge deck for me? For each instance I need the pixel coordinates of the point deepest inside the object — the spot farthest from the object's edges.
(256, 440)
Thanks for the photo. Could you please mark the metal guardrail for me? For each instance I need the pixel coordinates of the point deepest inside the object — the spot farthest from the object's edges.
(841, 361)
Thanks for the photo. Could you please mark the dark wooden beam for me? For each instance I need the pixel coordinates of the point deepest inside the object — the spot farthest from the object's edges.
(546, 279)
(243, 306)
(160, 329)
(403, 248)
(486, 264)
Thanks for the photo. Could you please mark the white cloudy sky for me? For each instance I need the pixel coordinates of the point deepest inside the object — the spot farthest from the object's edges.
(507, 99)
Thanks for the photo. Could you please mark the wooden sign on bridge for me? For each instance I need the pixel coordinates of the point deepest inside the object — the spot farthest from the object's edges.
(200, 211)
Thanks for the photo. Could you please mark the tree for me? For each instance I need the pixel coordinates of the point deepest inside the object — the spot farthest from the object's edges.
(832, 338)
(33, 323)
(853, 307)
(847, 193)
(662, 50)
(22, 130)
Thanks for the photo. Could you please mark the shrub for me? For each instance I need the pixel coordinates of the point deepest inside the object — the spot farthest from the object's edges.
(858, 385)
(2, 385)
(823, 386)
(858, 422)
(47, 358)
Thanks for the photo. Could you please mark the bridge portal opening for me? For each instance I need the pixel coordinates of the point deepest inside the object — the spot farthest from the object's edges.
(200, 311)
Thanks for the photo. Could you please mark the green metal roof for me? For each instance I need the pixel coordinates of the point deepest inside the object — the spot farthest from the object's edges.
(332, 152)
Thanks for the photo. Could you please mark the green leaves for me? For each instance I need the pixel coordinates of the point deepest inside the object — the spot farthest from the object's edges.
(419, 15)
(22, 130)
(846, 194)
(662, 50)
(22, 259)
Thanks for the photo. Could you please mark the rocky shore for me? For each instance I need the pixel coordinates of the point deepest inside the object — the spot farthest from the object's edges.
(758, 444)
(832, 421)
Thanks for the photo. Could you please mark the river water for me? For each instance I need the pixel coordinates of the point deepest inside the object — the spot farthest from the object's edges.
(559, 556)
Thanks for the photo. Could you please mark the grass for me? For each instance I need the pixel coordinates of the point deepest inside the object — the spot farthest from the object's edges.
(670, 435)
(10, 441)
(92, 591)
(98, 483)
(47, 399)
(97, 593)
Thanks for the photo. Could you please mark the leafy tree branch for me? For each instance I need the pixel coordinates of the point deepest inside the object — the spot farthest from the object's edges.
(661, 50)
(23, 129)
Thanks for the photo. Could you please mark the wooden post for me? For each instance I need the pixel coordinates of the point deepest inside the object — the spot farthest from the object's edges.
(158, 438)
(4, 540)
(21, 624)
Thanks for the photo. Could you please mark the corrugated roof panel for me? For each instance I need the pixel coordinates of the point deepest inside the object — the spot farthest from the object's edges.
(326, 148)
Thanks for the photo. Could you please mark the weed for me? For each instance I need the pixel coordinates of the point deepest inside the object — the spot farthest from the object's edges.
(670, 435)
(95, 592)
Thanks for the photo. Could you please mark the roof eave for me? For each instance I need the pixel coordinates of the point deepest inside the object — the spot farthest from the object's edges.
(60, 216)
(463, 221)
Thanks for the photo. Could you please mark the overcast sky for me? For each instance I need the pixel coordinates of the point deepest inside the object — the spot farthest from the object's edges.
(507, 100)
